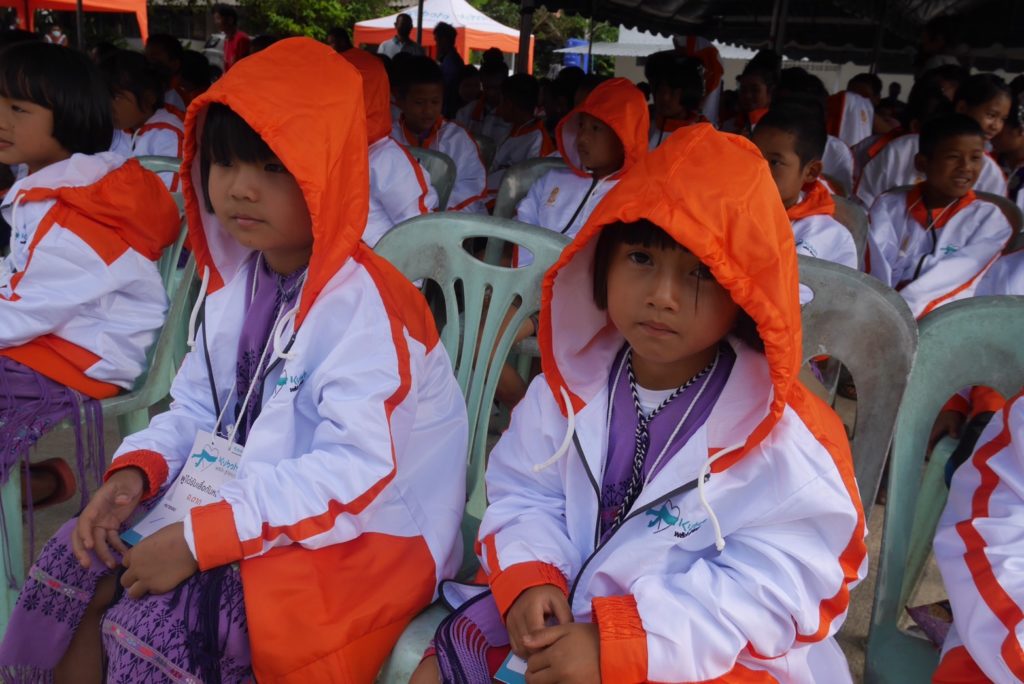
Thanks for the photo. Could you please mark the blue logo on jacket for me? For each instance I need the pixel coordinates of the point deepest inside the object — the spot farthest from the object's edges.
(667, 517)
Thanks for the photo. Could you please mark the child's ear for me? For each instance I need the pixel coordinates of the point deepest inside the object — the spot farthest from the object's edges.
(920, 161)
(812, 171)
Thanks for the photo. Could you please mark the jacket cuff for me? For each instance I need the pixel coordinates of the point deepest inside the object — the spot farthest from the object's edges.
(985, 400)
(152, 465)
(214, 535)
(623, 639)
(959, 404)
(508, 584)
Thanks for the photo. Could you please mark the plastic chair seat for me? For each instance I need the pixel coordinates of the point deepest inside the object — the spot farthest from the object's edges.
(441, 169)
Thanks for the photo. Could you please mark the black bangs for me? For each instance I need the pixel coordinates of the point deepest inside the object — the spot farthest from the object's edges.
(68, 84)
(228, 138)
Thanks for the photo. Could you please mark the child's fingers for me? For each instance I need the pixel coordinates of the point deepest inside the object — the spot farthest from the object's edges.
(137, 590)
(114, 539)
(101, 549)
(544, 637)
(561, 611)
(78, 547)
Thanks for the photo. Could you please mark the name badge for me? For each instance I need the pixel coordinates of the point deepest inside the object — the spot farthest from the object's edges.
(212, 462)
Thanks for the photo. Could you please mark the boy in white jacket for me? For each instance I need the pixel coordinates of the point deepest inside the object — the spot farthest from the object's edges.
(318, 366)
(933, 243)
(669, 503)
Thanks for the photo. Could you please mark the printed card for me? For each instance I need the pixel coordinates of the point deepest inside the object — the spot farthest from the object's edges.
(512, 671)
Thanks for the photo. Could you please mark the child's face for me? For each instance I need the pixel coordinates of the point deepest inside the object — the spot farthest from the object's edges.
(26, 135)
(666, 101)
(953, 167)
(492, 89)
(779, 150)
(599, 148)
(421, 105)
(129, 113)
(1009, 141)
(990, 115)
(262, 207)
(469, 89)
(669, 309)
(753, 93)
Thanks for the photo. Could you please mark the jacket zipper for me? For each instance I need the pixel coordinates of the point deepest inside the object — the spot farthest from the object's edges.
(581, 205)
(661, 499)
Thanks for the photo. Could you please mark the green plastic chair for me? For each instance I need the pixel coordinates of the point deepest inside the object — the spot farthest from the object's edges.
(869, 328)
(476, 296)
(488, 148)
(442, 172)
(970, 342)
(158, 164)
(517, 181)
(853, 216)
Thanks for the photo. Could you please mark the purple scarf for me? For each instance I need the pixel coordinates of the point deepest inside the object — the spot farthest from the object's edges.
(273, 294)
(623, 428)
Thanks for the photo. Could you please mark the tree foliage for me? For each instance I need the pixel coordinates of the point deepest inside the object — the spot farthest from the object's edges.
(312, 18)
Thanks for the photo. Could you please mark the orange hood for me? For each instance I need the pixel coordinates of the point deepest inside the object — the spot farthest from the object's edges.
(714, 194)
(376, 92)
(620, 105)
(130, 201)
(308, 107)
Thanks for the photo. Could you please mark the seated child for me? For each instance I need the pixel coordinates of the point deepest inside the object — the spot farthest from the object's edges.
(851, 114)
(756, 84)
(81, 299)
(481, 117)
(527, 138)
(419, 96)
(933, 243)
(1009, 146)
(678, 95)
(792, 140)
(977, 547)
(320, 364)
(669, 503)
(599, 140)
(139, 110)
(984, 98)
(400, 188)
(165, 52)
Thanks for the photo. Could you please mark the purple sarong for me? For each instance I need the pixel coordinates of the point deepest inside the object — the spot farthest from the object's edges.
(31, 404)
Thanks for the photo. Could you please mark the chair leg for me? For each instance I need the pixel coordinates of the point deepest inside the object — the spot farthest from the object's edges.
(132, 422)
(10, 495)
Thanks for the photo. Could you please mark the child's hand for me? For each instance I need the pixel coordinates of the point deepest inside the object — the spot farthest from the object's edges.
(947, 423)
(530, 612)
(98, 525)
(158, 563)
(564, 654)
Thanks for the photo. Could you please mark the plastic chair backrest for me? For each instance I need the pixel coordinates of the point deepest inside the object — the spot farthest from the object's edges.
(836, 184)
(869, 328)
(517, 181)
(855, 219)
(158, 164)
(433, 248)
(442, 172)
(971, 342)
(488, 148)
(168, 262)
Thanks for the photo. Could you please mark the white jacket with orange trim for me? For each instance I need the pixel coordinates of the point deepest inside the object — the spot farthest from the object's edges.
(738, 557)
(163, 135)
(837, 162)
(931, 267)
(81, 299)
(978, 546)
(476, 118)
(400, 188)
(850, 116)
(817, 233)
(450, 138)
(529, 141)
(893, 167)
(354, 469)
(562, 199)
(1006, 277)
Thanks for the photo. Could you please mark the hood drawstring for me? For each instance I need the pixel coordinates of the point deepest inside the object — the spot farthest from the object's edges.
(281, 333)
(14, 212)
(705, 471)
(570, 428)
(191, 339)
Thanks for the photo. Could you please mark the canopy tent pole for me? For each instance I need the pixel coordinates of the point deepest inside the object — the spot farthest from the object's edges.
(524, 56)
(419, 23)
(779, 16)
(876, 57)
(79, 25)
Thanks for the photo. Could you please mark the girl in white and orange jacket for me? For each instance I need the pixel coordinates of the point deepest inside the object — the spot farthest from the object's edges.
(669, 503)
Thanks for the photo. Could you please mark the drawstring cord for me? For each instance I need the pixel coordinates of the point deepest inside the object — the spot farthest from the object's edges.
(281, 333)
(191, 340)
(705, 471)
(570, 428)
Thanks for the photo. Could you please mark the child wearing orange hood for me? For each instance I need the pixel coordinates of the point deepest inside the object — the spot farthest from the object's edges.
(317, 400)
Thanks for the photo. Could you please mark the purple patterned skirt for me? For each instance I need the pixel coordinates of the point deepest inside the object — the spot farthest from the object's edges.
(196, 633)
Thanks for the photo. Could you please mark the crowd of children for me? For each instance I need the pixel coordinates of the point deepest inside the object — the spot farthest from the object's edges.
(669, 503)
